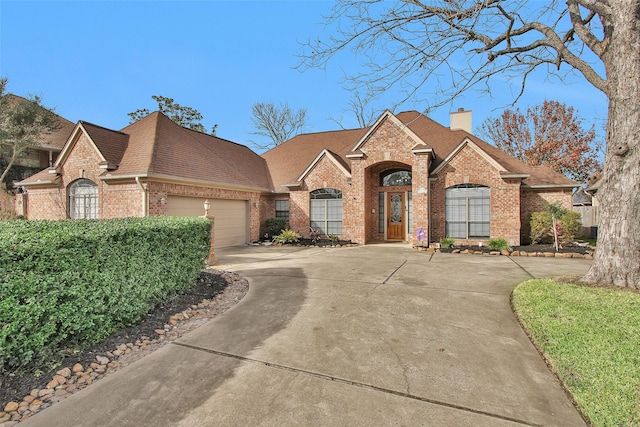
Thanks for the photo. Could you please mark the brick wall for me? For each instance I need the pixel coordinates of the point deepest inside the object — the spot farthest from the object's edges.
(158, 192)
(469, 167)
(325, 174)
(536, 200)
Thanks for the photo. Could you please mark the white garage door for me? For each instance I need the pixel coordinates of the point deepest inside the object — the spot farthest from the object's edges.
(231, 217)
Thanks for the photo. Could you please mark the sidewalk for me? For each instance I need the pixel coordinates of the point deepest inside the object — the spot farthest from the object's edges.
(372, 335)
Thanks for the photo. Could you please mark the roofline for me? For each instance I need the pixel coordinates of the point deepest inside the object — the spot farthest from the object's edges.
(331, 157)
(386, 114)
(180, 180)
(550, 186)
(468, 142)
(515, 175)
(73, 138)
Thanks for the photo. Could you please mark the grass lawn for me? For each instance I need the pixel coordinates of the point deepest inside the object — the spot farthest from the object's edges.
(591, 338)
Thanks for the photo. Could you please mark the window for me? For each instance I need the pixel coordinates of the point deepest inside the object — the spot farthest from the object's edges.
(83, 199)
(380, 212)
(282, 209)
(395, 177)
(467, 211)
(326, 210)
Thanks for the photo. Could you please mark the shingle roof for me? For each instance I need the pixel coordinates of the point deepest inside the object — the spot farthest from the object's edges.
(156, 146)
(55, 140)
(112, 144)
(159, 146)
(287, 161)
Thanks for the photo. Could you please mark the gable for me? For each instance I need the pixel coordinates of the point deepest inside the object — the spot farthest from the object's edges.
(386, 138)
(475, 155)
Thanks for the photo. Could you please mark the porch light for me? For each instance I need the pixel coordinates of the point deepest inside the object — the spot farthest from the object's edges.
(207, 205)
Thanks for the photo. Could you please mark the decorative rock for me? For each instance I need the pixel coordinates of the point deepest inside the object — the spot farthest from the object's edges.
(588, 256)
(495, 253)
(478, 252)
(549, 254)
(65, 372)
(60, 379)
(4, 417)
(505, 252)
(35, 392)
(11, 406)
(578, 256)
(466, 251)
(102, 360)
(45, 392)
(159, 331)
(567, 255)
(28, 399)
(455, 251)
(52, 384)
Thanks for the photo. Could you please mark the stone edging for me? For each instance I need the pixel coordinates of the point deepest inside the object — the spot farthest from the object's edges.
(510, 253)
(70, 380)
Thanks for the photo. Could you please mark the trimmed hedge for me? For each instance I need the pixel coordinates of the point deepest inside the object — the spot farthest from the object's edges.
(67, 284)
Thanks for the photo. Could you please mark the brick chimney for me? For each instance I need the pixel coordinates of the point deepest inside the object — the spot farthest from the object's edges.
(461, 120)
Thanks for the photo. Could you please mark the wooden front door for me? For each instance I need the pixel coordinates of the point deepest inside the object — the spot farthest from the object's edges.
(395, 216)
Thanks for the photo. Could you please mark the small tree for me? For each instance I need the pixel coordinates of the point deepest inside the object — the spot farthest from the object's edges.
(278, 123)
(184, 116)
(555, 224)
(23, 125)
(550, 134)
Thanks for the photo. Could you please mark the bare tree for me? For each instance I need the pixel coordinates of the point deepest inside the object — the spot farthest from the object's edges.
(360, 106)
(439, 49)
(278, 123)
(23, 125)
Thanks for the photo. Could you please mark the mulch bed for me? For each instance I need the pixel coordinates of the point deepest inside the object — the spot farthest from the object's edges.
(213, 293)
(539, 248)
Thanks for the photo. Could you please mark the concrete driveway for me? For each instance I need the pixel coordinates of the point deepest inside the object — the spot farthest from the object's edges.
(378, 335)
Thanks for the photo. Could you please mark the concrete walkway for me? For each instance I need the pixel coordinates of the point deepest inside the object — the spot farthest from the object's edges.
(378, 335)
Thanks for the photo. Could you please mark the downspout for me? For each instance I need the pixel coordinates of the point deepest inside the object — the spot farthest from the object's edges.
(145, 204)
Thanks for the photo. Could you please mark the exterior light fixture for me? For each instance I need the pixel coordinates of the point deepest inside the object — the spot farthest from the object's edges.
(207, 205)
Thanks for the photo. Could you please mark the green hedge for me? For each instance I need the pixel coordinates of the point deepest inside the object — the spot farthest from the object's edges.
(67, 284)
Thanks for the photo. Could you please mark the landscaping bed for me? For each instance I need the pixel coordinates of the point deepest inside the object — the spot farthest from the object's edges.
(571, 250)
(37, 387)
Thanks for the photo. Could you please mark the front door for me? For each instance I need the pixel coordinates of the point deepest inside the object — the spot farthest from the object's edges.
(395, 216)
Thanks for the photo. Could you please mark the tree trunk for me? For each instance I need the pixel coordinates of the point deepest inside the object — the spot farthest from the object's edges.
(617, 258)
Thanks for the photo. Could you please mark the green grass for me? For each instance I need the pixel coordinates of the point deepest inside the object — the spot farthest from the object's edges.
(591, 338)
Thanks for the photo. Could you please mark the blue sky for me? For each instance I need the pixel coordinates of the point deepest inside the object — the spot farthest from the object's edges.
(99, 60)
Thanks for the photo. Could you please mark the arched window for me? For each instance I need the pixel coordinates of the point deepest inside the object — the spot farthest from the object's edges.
(395, 177)
(83, 199)
(467, 211)
(325, 212)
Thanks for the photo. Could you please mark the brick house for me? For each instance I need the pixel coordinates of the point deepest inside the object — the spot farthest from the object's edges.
(152, 167)
(404, 174)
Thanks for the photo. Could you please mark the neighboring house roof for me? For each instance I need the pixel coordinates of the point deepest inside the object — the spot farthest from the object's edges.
(289, 160)
(593, 188)
(581, 198)
(156, 147)
(55, 140)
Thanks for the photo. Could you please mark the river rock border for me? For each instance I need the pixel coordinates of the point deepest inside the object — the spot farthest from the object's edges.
(72, 379)
(509, 253)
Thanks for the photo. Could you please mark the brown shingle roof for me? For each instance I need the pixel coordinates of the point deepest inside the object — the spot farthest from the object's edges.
(112, 144)
(159, 146)
(55, 140)
(287, 161)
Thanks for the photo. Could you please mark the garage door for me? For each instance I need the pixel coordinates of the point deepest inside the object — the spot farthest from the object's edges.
(231, 217)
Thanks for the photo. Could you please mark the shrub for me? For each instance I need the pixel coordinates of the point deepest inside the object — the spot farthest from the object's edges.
(499, 245)
(287, 236)
(447, 242)
(568, 224)
(275, 226)
(67, 284)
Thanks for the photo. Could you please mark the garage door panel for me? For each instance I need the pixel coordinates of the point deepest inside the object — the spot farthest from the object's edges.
(231, 217)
